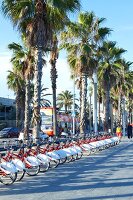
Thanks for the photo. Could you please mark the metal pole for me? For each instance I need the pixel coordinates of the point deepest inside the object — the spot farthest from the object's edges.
(73, 114)
(90, 114)
(123, 116)
(95, 103)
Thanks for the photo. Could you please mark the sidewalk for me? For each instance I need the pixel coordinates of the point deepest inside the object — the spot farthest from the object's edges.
(107, 175)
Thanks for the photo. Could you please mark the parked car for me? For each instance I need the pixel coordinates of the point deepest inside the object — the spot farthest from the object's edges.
(9, 132)
(64, 135)
(42, 135)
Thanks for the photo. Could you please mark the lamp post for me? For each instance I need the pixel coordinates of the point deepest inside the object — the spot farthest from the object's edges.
(73, 112)
(123, 116)
(95, 102)
(90, 108)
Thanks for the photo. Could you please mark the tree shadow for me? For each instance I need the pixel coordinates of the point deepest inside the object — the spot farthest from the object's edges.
(89, 174)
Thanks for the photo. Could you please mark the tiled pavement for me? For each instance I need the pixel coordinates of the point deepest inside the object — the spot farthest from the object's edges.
(107, 175)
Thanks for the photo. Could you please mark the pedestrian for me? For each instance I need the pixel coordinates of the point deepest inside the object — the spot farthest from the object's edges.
(119, 132)
(21, 137)
(129, 131)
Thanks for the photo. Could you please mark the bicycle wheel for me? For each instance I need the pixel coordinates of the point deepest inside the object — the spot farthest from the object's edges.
(86, 152)
(54, 163)
(20, 175)
(44, 166)
(75, 157)
(107, 146)
(69, 159)
(93, 150)
(8, 179)
(33, 171)
(79, 155)
(63, 160)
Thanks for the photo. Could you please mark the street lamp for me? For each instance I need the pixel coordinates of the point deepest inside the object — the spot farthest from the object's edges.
(95, 102)
(73, 112)
(123, 115)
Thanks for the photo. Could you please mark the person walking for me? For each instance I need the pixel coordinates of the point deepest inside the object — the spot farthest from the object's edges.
(119, 132)
(129, 131)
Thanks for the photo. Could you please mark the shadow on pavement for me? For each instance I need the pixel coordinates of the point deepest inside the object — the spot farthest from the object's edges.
(83, 179)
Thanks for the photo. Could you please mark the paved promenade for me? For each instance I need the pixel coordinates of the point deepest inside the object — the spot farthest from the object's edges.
(107, 175)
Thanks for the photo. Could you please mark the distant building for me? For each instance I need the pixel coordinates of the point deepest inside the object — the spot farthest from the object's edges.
(7, 102)
(6, 108)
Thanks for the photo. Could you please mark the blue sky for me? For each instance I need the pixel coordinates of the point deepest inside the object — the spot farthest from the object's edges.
(119, 18)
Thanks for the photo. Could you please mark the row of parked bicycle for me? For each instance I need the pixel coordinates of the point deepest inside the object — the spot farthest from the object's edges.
(39, 158)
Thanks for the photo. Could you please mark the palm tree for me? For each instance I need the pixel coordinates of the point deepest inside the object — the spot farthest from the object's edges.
(38, 19)
(23, 61)
(129, 88)
(130, 105)
(108, 71)
(16, 83)
(65, 99)
(80, 40)
(123, 86)
(76, 43)
(99, 36)
(45, 102)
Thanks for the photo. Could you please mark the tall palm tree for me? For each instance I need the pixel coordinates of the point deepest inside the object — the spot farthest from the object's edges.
(80, 40)
(38, 19)
(121, 89)
(108, 71)
(123, 83)
(130, 106)
(23, 61)
(99, 36)
(75, 41)
(16, 83)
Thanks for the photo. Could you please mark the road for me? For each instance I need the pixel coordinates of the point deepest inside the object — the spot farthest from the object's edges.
(107, 175)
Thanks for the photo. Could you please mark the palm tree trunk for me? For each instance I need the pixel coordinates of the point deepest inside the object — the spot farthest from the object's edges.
(27, 109)
(90, 115)
(83, 105)
(123, 115)
(53, 81)
(119, 107)
(17, 110)
(65, 108)
(99, 112)
(107, 106)
(53, 58)
(22, 115)
(130, 110)
(80, 95)
(37, 93)
(99, 108)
